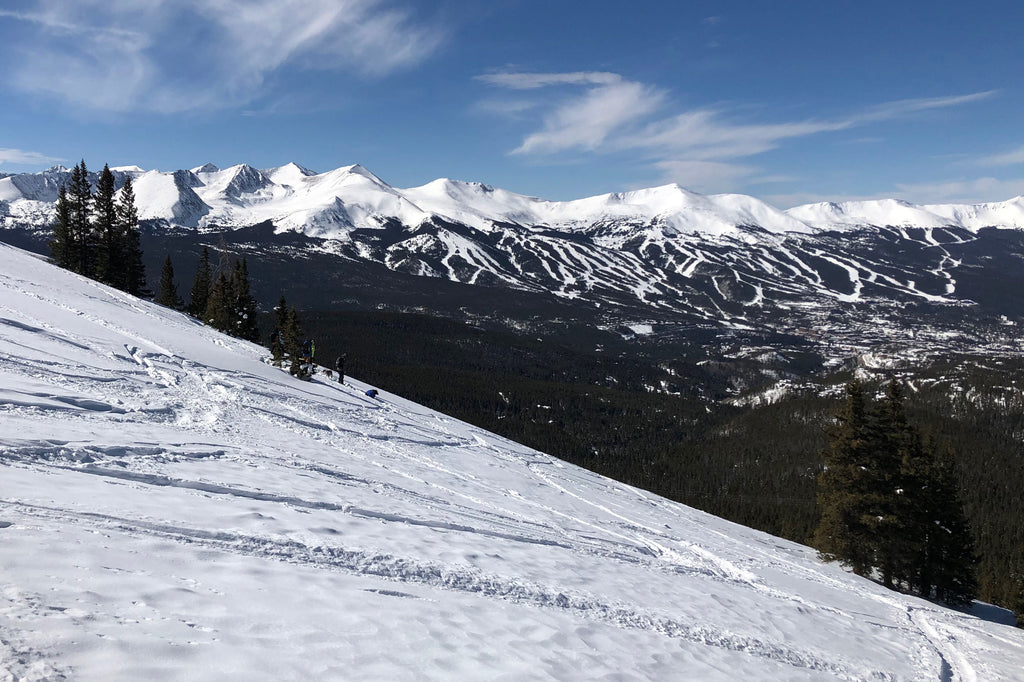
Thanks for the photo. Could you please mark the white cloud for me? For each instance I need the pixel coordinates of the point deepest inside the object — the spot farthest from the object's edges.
(587, 122)
(705, 134)
(965, 191)
(700, 147)
(179, 55)
(18, 157)
(1010, 158)
(531, 81)
(890, 110)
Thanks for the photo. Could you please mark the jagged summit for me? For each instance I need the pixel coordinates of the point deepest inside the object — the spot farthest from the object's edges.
(206, 168)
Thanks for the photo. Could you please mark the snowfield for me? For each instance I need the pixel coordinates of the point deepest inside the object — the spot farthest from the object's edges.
(173, 507)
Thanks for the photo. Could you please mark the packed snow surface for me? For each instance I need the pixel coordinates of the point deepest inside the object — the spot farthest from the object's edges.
(174, 507)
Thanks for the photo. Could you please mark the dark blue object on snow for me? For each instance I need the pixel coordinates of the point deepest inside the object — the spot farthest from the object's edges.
(372, 393)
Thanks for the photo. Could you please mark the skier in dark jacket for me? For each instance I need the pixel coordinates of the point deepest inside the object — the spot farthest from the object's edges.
(307, 355)
(339, 365)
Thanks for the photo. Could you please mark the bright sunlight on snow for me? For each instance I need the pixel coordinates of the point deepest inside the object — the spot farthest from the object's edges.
(174, 507)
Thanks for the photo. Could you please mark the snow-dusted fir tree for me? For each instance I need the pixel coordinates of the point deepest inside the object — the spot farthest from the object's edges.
(293, 339)
(243, 305)
(947, 562)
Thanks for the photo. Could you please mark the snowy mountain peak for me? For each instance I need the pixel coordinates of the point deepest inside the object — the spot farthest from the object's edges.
(356, 169)
(245, 180)
(289, 169)
(206, 168)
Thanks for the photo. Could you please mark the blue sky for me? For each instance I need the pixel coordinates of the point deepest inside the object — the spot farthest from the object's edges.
(791, 101)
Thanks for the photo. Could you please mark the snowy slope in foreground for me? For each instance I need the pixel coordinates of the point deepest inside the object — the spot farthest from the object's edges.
(172, 507)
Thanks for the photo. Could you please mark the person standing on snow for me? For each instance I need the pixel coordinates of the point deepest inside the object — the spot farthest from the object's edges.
(339, 365)
(307, 355)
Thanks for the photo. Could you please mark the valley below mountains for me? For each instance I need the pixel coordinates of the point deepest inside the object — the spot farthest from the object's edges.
(659, 267)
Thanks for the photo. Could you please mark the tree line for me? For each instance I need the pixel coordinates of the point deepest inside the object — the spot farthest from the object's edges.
(97, 234)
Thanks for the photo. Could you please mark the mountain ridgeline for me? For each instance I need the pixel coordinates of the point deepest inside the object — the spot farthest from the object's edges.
(692, 345)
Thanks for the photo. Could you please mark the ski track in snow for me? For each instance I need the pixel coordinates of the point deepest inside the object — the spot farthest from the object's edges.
(404, 570)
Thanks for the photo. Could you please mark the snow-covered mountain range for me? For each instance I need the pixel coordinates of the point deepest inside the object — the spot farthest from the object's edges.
(174, 507)
(663, 257)
(333, 203)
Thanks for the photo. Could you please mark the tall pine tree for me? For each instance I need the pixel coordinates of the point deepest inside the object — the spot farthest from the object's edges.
(948, 560)
(79, 194)
(293, 335)
(168, 295)
(889, 505)
(63, 251)
(894, 518)
(218, 307)
(106, 227)
(133, 271)
(844, 533)
(200, 296)
(277, 336)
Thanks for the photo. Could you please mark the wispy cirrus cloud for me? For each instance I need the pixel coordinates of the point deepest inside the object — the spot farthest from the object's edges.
(602, 112)
(579, 122)
(181, 55)
(589, 122)
(19, 157)
(1009, 158)
(904, 107)
(969, 190)
(532, 81)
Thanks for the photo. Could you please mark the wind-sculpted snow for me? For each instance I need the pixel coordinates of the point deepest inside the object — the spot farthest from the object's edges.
(174, 507)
